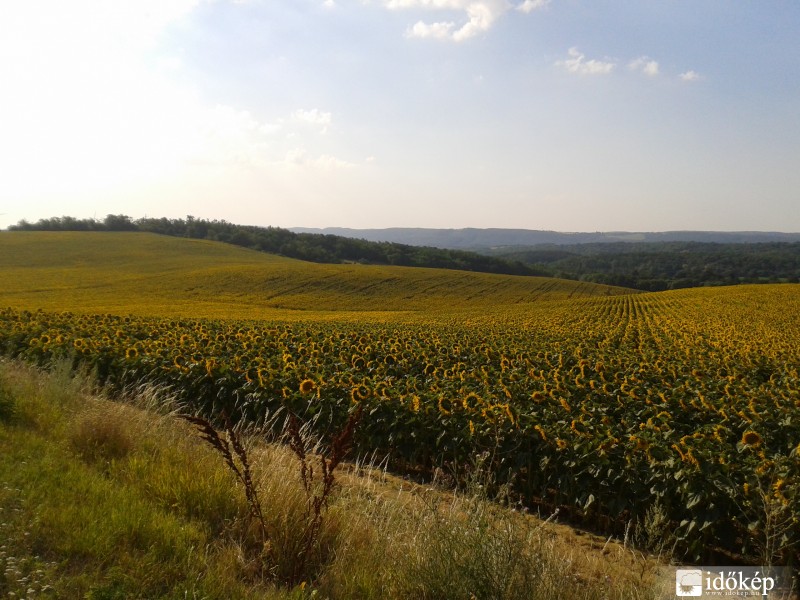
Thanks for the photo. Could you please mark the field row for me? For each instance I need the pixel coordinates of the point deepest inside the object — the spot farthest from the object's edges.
(685, 402)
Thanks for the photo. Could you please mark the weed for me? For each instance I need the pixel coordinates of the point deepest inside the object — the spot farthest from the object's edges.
(284, 556)
(317, 491)
(229, 445)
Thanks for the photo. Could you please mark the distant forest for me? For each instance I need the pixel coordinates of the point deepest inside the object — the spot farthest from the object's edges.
(656, 266)
(312, 247)
(649, 266)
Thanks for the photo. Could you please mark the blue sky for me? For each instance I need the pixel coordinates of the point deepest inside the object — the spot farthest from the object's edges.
(572, 115)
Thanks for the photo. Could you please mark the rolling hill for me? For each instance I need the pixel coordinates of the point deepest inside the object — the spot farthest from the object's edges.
(143, 273)
(608, 405)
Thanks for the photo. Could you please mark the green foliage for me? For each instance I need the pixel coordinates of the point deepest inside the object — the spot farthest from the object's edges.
(657, 266)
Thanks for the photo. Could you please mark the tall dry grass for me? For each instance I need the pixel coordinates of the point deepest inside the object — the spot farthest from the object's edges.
(115, 499)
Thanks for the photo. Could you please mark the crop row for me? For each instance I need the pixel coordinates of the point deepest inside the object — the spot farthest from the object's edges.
(608, 407)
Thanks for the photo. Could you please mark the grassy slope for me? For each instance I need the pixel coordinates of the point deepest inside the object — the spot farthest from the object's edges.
(102, 499)
(156, 275)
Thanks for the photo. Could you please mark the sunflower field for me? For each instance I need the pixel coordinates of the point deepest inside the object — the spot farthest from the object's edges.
(605, 407)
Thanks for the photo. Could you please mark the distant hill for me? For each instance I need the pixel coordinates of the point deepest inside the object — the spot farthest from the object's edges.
(656, 266)
(476, 239)
(148, 274)
(642, 261)
(312, 247)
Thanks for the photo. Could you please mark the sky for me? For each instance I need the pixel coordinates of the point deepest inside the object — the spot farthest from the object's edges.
(568, 115)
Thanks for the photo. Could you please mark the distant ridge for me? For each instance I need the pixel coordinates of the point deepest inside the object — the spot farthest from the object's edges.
(474, 238)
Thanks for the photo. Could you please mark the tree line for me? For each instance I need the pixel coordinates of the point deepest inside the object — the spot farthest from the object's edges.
(649, 266)
(312, 247)
(657, 266)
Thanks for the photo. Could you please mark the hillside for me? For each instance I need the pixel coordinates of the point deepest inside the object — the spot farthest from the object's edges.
(474, 238)
(150, 274)
(304, 246)
(657, 266)
(644, 261)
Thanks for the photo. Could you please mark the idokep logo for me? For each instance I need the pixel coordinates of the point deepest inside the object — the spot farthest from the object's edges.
(773, 583)
(689, 582)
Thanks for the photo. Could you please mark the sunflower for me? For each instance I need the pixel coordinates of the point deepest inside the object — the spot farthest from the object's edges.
(471, 401)
(360, 392)
(577, 427)
(751, 438)
(445, 405)
(250, 375)
(307, 386)
(640, 444)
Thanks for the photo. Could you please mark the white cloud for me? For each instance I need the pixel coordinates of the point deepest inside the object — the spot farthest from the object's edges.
(690, 76)
(329, 4)
(531, 5)
(577, 63)
(430, 30)
(645, 65)
(479, 16)
(313, 117)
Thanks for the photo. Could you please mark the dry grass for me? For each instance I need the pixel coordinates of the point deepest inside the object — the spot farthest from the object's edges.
(96, 437)
(126, 500)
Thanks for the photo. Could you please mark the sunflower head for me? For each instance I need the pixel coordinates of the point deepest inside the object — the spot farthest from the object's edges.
(359, 393)
(307, 386)
(471, 401)
(751, 438)
(445, 405)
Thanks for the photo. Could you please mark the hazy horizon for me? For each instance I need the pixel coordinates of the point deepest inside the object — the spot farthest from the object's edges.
(554, 115)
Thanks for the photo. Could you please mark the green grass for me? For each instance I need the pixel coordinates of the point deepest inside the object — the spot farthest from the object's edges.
(147, 274)
(101, 499)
